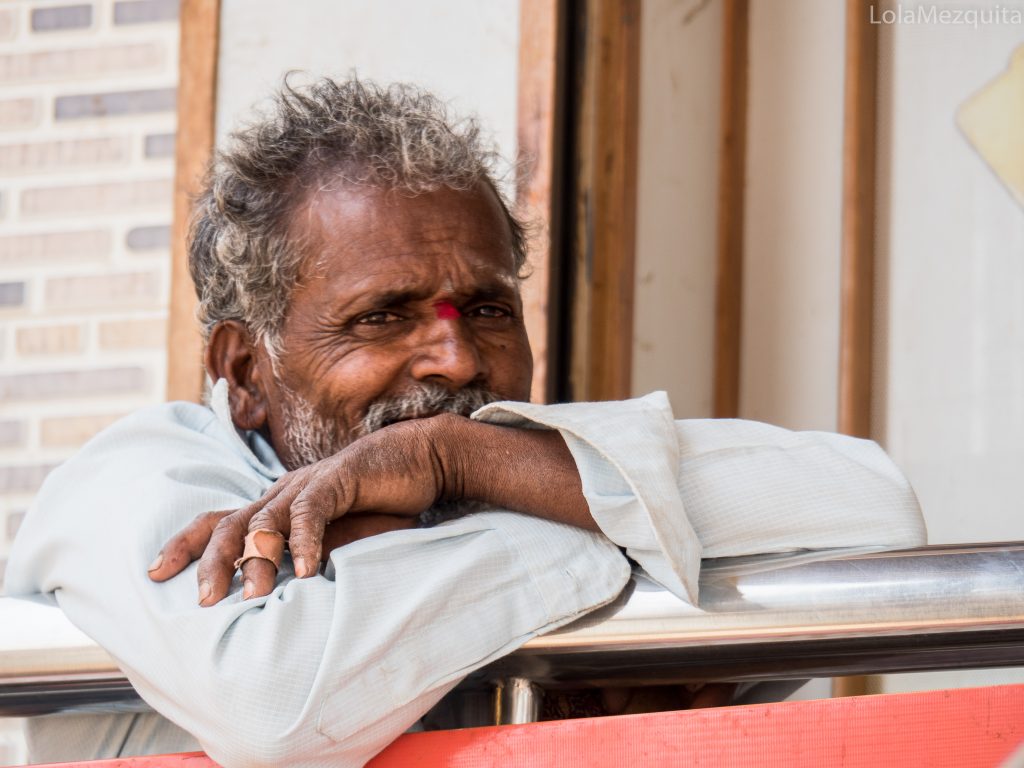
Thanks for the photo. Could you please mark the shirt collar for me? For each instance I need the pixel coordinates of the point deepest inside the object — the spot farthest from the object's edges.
(257, 451)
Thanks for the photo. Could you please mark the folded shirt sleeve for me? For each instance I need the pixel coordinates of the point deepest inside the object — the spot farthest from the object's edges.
(751, 488)
(671, 492)
(627, 454)
(323, 671)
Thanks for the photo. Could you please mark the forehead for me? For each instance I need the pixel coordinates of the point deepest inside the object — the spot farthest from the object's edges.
(369, 233)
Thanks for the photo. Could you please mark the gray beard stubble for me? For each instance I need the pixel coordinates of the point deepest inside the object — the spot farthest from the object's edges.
(309, 436)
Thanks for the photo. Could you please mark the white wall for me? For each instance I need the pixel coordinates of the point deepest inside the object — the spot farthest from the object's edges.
(463, 50)
(680, 73)
(951, 299)
(953, 238)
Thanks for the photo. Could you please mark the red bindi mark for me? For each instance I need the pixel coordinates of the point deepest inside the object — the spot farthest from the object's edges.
(446, 311)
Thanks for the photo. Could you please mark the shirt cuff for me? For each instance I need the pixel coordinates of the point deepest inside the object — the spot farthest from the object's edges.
(627, 454)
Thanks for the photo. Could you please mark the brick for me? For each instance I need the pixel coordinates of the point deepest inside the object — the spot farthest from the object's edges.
(8, 24)
(73, 431)
(12, 295)
(145, 11)
(49, 340)
(13, 524)
(148, 238)
(103, 291)
(11, 433)
(113, 197)
(54, 247)
(133, 334)
(61, 17)
(16, 159)
(115, 103)
(160, 145)
(78, 63)
(23, 479)
(49, 385)
(18, 113)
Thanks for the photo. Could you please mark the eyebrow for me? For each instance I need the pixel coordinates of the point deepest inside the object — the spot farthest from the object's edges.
(400, 296)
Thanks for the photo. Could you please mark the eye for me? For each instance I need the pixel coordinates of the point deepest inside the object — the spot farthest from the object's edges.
(380, 317)
(489, 311)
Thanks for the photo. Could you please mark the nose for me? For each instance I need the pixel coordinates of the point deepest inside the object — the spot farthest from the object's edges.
(447, 354)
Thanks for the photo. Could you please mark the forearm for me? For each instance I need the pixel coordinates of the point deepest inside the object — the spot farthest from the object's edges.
(525, 470)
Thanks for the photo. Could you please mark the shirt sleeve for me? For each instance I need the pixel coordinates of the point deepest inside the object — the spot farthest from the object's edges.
(323, 671)
(627, 454)
(671, 492)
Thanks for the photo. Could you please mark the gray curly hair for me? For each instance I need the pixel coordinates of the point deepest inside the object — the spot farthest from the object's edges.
(242, 259)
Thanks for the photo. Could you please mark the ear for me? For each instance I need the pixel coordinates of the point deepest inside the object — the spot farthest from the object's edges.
(232, 354)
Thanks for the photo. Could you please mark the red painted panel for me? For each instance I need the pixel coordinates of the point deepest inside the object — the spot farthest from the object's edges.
(969, 728)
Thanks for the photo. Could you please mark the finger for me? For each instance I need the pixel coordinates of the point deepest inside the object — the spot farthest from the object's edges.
(260, 574)
(185, 546)
(217, 564)
(258, 577)
(226, 542)
(310, 513)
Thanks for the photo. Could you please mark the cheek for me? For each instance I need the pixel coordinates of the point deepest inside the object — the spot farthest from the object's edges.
(511, 366)
(348, 385)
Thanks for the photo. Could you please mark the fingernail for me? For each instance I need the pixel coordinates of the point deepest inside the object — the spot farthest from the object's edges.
(247, 589)
(204, 591)
(302, 569)
(156, 563)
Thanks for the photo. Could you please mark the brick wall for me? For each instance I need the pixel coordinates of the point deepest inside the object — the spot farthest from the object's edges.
(87, 99)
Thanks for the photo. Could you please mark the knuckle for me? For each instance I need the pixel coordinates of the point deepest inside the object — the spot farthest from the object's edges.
(273, 517)
(227, 526)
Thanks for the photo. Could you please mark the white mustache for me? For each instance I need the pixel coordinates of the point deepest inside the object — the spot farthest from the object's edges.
(425, 400)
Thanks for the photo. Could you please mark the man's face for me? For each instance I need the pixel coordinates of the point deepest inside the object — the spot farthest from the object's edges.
(400, 300)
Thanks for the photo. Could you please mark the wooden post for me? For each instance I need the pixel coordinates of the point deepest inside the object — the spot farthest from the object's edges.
(732, 160)
(197, 95)
(858, 242)
(536, 185)
(606, 202)
(858, 222)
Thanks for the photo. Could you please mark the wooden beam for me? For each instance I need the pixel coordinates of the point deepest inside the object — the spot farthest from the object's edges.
(537, 124)
(732, 160)
(606, 201)
(197, 97)
(858, 243)
(858, 220)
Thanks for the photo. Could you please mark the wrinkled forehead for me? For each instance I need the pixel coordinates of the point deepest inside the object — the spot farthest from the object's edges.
(359, 238)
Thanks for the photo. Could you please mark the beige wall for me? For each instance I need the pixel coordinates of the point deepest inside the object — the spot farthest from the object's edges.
(790, 325)
(680, 70)
(790, 346)
(949, 389)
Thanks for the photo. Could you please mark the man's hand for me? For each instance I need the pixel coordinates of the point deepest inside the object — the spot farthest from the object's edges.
(396, 472)
(378, 483)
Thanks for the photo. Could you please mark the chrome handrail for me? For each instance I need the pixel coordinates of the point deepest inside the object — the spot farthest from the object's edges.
(760, 618)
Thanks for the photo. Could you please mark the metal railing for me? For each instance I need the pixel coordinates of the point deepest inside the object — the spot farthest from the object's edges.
(760, 618)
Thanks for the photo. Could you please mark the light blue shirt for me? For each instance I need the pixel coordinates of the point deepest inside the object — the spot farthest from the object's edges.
(329, 670)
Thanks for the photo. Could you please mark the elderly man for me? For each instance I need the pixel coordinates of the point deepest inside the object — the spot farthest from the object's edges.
(358, 279)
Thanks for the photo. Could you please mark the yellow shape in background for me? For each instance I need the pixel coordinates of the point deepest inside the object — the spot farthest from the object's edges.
(993, 121)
